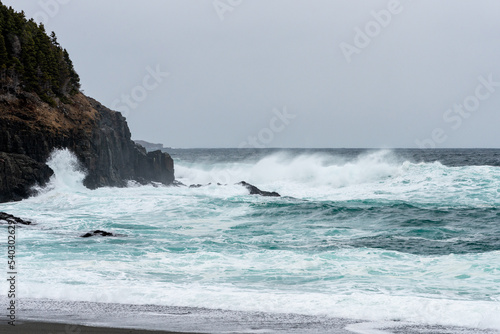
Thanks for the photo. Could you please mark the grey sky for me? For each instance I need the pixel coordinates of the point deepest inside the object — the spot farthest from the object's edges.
(227, 76)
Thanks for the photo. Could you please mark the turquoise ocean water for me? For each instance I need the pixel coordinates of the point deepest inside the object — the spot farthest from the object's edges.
(404, 235)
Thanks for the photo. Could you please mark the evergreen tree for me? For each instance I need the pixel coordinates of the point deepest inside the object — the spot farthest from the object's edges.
(74, 77)
(53, 39)
(28, 58)
(32, 60)
(4, 56)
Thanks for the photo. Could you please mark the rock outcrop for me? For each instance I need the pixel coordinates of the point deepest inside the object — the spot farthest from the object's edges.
(97, 233)
(18, 173)
(31, 129)
(120, 159)
(10, 219)
(256, 191)
(253, 190)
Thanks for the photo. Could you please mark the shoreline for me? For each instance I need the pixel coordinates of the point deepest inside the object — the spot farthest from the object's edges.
(29, 327)
(76, 317)
(43, 327)
(66, 317)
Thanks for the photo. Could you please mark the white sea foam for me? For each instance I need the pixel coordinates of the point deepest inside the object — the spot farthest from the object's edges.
(354, 305)
(313, 169)
(174, 252)
(372, 285)
(372, 175)
(68, 172)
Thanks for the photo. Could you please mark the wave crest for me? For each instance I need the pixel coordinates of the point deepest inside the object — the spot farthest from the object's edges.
(307, 169)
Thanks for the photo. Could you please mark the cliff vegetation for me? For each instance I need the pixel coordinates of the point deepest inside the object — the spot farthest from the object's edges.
(32, 61)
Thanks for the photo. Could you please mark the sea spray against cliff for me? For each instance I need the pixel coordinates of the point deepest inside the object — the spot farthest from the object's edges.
(68, 172)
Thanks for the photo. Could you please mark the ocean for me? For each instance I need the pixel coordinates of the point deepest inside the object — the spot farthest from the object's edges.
(361, 241)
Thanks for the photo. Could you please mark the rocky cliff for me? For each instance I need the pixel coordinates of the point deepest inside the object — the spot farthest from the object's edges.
(42, 109)
(31, 129)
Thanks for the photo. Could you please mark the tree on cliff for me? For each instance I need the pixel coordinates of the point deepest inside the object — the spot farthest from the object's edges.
(4, 56)
(30, 60)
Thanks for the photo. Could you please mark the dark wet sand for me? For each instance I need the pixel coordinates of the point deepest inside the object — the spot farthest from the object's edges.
(57, 328)
(35, 327)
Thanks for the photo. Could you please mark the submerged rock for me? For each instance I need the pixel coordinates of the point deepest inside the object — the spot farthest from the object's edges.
(98, 233)
(13, 219)
(251, 188)
(201, 185)
(176, 183)
(256, 191)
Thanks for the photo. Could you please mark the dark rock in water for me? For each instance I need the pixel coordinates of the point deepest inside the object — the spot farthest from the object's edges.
(180, 184)
(176, 183)
(199, 185)
(13, 219)
(256, 191)
(98, 233)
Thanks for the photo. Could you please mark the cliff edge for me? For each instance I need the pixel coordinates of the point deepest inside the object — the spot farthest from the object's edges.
(31, 129)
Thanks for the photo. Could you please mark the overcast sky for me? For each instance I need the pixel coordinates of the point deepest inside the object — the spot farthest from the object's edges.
(288, 73)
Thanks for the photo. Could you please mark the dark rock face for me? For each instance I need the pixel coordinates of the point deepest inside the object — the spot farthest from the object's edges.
(117, 158)
(154, 166)
(13, 219)
(97, 233)
(18, 173)
(256, 191)
(30, 130)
